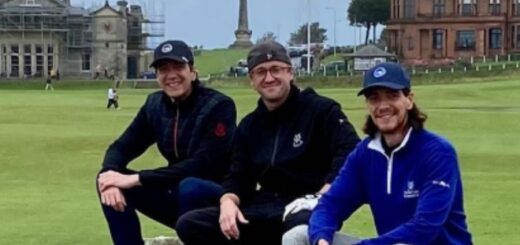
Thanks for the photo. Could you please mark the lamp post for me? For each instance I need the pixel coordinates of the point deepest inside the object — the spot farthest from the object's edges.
(335, 21)
(309, 38)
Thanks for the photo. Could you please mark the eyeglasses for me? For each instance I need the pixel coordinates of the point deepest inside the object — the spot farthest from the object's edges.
(276, 71)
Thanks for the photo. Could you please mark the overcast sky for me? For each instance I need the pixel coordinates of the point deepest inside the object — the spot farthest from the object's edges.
(212, 22)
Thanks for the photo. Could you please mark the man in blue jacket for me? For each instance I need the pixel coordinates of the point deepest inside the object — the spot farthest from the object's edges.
(192, 127)
(292, 145)
(408, 176)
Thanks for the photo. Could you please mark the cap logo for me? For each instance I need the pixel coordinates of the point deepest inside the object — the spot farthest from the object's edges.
(269, 56)
(379, 72)
(166, 48)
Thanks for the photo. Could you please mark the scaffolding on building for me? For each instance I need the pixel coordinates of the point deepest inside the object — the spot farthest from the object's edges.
(60, 28)
(147, 30)
(63, 34)
(156, 24)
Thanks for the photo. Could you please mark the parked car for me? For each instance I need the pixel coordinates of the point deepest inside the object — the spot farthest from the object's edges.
(147, 75)
(240, 69)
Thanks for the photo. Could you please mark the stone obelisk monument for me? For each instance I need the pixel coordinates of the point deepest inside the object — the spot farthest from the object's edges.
(243, 34)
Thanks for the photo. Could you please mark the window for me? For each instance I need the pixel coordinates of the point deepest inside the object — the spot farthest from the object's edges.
(39, 65)
(467, 7)
(438, 39)
(50, 49)
(516, 7)
(409, 8)
(494, 7)
(397, 7)
(517, 36)
(513, 37)
(85, 62)
(14, 49)
(50, 62)
(27, 49)
(495, 38)
(39, 49)
(438, 8)
(465, 40)
(27, 65)
(14, 65)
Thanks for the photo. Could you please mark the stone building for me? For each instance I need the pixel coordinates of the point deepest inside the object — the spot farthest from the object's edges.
(449, 29)
(40, 37)
(368, 57)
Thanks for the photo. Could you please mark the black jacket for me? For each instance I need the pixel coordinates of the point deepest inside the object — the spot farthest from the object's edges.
(293, 150)
(194, 136)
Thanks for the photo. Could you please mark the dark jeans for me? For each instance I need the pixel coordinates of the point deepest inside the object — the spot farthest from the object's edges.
(112, 102)
(196, 193)
(264, 212)
(164, 206)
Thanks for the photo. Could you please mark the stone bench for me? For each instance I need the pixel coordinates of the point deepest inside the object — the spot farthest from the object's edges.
(162, 240)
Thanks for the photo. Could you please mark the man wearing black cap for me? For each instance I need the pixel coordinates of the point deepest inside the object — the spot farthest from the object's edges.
(409, 176)
(192, 127)
(285, 153)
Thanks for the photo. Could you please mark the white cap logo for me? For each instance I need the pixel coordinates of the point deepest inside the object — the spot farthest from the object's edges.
(379, 72)
(269, 56)
(166, 48)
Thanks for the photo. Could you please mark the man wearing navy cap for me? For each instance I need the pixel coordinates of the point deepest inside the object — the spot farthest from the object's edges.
(408, 175)
(192, 127)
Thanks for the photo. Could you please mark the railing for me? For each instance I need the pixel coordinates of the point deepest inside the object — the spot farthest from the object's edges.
(458, 15)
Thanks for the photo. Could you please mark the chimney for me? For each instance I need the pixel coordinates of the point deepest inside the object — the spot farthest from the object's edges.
(122, 7)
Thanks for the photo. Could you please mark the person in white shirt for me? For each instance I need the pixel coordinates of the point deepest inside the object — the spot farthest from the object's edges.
(112, 99)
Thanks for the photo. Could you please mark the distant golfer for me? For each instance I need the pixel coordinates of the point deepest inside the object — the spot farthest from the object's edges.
(48, 82)
(408, 175)
(112, 98)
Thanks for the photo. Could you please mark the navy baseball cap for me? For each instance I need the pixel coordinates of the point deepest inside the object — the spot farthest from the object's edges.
(388, 75)
(172, 50)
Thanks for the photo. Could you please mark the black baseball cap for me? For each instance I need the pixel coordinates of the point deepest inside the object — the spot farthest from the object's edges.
(172, 50)
(388, 75)
(267, 51)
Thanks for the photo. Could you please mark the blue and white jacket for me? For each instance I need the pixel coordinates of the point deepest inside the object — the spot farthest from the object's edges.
(415, 193)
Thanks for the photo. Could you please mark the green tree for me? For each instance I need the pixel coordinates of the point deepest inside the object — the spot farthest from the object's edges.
(300, 36)
(269, 36)
(368, 13)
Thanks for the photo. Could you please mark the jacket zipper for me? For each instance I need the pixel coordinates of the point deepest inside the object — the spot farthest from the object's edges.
(175, 150)
(275, 148)
(389, 173)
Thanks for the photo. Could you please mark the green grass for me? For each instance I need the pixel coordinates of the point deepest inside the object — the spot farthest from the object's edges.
(331, 58)
(52, 145)
(218, 60)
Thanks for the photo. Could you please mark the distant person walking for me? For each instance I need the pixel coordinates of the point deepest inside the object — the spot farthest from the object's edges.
(112, 99)
(48, 83)
(117, 83)
(98, 71)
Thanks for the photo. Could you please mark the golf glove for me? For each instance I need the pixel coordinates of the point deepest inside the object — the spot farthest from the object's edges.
(308, 202)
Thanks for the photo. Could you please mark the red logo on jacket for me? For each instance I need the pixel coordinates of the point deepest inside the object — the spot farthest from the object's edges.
(220, 130)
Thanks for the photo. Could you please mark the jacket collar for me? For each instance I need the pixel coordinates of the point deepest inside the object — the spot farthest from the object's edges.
(285, 111)
(190, 100)
(375, 143)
